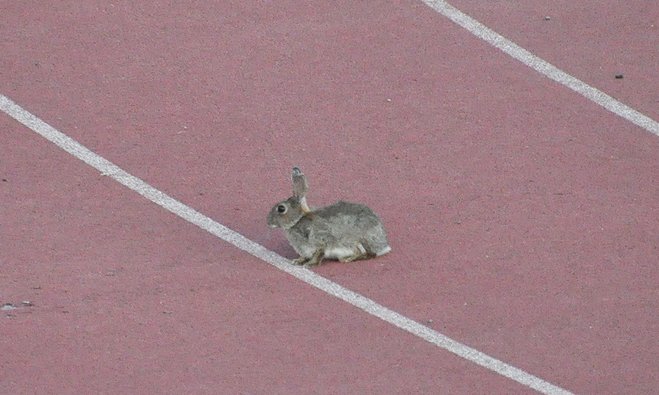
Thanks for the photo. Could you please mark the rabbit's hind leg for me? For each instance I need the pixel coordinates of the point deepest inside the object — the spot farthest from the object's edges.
(360, 253)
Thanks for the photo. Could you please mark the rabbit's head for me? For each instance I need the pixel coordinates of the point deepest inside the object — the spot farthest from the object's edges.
(287, 213)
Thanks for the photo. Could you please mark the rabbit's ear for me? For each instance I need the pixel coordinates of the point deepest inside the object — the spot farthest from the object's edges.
(300, 187)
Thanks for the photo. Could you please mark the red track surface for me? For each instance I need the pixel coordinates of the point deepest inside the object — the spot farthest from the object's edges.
(523, 218)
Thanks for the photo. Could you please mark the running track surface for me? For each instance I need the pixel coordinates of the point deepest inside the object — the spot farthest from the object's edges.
(523, 217)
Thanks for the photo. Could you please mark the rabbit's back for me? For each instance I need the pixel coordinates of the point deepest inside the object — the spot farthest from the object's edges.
(345, 217)
(351, 223)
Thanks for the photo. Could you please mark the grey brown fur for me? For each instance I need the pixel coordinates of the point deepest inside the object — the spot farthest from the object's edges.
(343, 231)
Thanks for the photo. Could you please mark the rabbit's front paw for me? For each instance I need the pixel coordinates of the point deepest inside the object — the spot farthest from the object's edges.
(300, 261)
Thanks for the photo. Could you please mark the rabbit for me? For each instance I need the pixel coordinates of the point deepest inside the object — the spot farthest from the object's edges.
(342, 231)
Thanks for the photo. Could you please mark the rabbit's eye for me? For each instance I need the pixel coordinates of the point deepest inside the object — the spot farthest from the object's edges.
(281, 209)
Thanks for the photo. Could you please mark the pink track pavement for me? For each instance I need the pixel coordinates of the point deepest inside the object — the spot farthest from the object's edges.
(523, 218)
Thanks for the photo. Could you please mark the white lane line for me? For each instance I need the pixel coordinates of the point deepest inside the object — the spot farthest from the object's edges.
(543, 67)
(189, 214)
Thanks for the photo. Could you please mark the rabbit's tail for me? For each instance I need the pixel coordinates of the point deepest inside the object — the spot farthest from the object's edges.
(382, 251)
